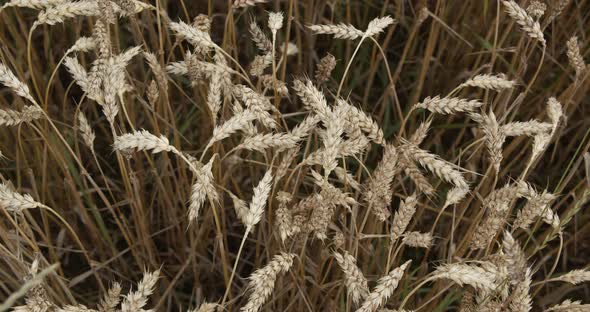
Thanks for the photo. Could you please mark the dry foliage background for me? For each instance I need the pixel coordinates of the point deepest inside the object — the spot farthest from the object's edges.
(325, 174)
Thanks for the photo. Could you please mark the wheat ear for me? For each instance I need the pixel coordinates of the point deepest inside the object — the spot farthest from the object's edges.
(356, 283)
(384, 289)
(15, 202)
(448, 105)
(526, 22)
(262, 281)
(10, 80)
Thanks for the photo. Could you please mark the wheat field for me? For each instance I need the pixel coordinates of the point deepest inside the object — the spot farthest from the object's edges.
(311, 155)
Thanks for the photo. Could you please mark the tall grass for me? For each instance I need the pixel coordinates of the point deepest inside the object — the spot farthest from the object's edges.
(294, 155)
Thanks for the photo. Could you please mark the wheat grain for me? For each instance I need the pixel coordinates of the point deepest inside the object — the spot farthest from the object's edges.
(356, 283)
(15, 202)
(455, 195)
(496, 205)
(142, 140)
(403, 216)
(536, 9)
(378, 191)
(259, 199)
(88, 135)
(574, 57)
(417, 239)
(195, 36)
(570, 306)
(340, 31)
(520, 299)
(515, 258)
(83, 44)
(236, 123)
(462, 274)
(275, 21)
(324, 68)
(346, 178)
(11, 81)
(313, 99)
(448, 105)
(9, 117)
(201, 189)
(135, 301)
(157, 69)
(441, 168)
(111, 299)
(262, 281)
(411, 170)
(377, 25)
(260, 39)
(494, 139)
(31, 4)
(384, 289)
(489, 82)
(247, 3)
(420, 134)
(261, 142)
(526, 22)
(530, 128)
